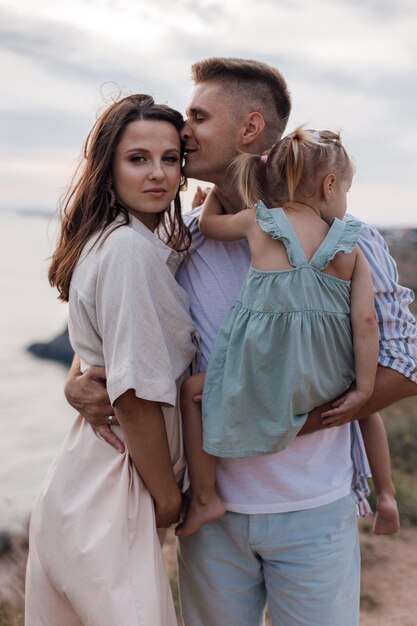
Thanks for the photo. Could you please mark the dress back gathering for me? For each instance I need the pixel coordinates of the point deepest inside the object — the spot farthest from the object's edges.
(284, 348)
(95, 557)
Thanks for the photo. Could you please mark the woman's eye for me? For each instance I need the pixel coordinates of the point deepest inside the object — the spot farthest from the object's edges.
(171, 159)
(137, 158)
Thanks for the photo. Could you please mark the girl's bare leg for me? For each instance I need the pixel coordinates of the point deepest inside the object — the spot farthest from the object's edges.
(387, 519)
(205, 504)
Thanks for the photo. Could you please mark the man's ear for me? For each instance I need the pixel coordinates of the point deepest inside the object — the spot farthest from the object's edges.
(252, 127)
(328, 185)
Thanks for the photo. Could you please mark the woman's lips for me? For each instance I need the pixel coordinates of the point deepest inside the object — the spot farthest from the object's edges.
(155, 193)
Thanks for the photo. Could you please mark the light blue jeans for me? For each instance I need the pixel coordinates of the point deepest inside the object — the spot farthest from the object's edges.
(305, 565)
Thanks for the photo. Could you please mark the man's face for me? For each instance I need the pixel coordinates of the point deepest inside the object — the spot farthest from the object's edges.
(211, 133)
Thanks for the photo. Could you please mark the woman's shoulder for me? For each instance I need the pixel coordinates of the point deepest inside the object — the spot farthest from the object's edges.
(123, 240)
(117, 234)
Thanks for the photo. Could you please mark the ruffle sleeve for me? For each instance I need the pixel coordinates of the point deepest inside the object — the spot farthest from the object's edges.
(351, 231)
(278, 229)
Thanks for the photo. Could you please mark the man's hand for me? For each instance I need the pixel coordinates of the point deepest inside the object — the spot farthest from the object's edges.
(88, 395)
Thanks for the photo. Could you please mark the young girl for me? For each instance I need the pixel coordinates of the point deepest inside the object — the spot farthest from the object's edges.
(286, 345)
(95, 557)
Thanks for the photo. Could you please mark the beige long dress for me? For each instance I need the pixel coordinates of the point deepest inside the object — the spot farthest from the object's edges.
(95, 558)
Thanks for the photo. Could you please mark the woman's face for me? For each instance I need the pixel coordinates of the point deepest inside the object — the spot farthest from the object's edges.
(146, 168)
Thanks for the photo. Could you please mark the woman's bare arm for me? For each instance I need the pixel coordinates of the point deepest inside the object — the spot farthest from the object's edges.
(143, 425)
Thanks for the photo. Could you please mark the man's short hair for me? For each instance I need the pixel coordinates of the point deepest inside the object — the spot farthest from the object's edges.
(259, 86)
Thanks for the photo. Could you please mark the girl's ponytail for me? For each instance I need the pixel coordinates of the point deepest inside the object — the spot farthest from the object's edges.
(246, 171)
(294, 161)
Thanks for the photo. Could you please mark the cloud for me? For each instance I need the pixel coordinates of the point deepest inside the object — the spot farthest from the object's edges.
(56, 46)
(63, 49)
(207, 11)
(380, 10)
(383, 10)
(351, 64)
(41, 132)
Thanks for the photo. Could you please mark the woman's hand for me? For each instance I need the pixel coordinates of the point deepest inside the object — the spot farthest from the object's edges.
(168, 512)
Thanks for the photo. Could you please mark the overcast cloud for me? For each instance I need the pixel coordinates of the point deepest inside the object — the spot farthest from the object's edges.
(350, 64)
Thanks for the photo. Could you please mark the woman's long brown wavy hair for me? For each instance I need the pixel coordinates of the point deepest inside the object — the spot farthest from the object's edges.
(86, 207)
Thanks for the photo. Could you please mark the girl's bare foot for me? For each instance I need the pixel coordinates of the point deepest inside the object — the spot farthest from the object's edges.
(199, 512)
(387, 519)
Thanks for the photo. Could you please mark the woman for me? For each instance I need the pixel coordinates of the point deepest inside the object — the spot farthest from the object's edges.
(95, 558)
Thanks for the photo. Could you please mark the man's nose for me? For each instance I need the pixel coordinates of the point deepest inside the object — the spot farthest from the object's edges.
(185, 132)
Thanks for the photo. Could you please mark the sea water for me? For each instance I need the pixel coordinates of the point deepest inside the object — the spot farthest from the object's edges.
(34, 413)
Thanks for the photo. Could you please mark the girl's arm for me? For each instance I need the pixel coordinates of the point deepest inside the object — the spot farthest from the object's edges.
(215, 224)
(143, 425)
(364, 327)
(365, 345)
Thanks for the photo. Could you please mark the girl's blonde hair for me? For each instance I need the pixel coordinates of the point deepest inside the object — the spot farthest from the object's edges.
(292, 167)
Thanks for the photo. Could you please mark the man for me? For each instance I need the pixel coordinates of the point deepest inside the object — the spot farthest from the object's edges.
(289, 536)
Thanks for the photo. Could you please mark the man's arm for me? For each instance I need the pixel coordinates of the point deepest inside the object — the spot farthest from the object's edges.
(390, 387)
(88, 395)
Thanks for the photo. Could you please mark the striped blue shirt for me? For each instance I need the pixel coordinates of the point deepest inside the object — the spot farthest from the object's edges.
(397, 326)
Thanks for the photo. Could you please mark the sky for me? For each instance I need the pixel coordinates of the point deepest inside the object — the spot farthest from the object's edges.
(351, 65)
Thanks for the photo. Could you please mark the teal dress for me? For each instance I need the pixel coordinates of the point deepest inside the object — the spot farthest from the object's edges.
(284, 348)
